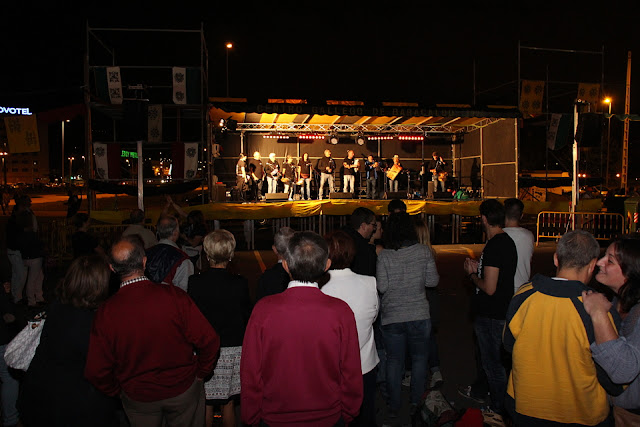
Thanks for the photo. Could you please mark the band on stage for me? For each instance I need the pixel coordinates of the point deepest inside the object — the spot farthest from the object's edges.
(366, 176)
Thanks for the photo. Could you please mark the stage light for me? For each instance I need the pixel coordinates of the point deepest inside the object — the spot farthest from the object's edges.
(360, 139)
(411, 137)
(333, 139)
(381, 137)
(311, 136)
(276, 136)
(222, 123)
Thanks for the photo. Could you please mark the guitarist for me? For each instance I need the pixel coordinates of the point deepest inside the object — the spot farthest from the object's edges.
(326, 166)
(393, 172)
(438, 174)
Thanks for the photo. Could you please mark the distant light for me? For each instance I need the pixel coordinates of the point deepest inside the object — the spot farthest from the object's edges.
(607, 100)
(617, 175)
(229, 45)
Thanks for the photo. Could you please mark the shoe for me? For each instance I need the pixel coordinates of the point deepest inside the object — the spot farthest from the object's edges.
(406, 381)
(466, 391)
(436, 380)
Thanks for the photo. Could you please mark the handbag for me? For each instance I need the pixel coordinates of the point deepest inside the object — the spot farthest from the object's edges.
(22, 348)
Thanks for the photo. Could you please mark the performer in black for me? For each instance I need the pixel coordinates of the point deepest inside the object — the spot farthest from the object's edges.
(326, 166)
(305, 172)
(372, 168)
(272, 172)
(257, 175)
(348, 175)
(289, 177)
(242, 174)
(436, 167)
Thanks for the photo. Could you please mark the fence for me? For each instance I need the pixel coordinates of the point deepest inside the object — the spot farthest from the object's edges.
(603, 226)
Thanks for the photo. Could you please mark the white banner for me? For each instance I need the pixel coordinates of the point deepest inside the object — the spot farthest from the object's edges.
(179, 85)
(552, 133)
(114, 83)
(190, 160)
(154, 123)
(102, 163)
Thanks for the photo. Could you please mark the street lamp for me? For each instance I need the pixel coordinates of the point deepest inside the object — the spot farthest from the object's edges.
(4, 167)
(62, 156)
(71, 159)
(608, 101)
(229, 47)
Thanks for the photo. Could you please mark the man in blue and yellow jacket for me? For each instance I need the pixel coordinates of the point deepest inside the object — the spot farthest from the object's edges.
(554, 378)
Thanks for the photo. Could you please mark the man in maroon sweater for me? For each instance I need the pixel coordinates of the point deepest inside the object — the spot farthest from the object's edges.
(142, 346)
(300, 355)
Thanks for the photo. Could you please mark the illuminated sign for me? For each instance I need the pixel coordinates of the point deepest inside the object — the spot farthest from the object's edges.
(129, 154)
(15, 111)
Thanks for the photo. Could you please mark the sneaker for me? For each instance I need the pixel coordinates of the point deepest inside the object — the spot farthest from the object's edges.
(436, 380)
(466, 391)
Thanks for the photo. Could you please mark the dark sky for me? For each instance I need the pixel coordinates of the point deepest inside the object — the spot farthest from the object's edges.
(395, 51)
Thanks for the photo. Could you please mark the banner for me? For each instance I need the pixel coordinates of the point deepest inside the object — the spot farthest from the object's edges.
(590, 92)
(108, 159)
(179, 85)
(185, 160)
(154, 123)
(531, 97)
(22, 134)
(558, 131)
(114, 82)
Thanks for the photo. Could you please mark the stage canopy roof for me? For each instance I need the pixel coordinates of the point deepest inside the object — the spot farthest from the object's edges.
(300, 116)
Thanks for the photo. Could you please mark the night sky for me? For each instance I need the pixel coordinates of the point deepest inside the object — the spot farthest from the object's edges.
(393, 51)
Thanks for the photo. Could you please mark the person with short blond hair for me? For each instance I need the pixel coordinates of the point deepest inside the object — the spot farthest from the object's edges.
(223, 298)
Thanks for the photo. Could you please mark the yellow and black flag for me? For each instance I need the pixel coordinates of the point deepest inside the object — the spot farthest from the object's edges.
(531, 97)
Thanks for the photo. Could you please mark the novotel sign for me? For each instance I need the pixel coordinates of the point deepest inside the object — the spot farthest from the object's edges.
(15, 111)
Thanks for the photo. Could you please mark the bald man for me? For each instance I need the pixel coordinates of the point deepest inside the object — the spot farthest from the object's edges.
(151, 346)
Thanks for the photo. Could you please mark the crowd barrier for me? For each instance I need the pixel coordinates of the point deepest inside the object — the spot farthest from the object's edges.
(603, 226)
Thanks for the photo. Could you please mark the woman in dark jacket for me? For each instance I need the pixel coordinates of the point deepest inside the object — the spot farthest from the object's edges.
(54, 391)
(223, 298)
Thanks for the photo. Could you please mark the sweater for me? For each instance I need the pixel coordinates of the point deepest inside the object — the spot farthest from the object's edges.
(300, 360)
(143, 341)
(402, 276)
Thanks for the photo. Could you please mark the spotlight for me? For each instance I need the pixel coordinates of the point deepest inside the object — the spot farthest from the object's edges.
(360, 139)
(381, 137)
(411, 137)
(311, 136)
(333, 139)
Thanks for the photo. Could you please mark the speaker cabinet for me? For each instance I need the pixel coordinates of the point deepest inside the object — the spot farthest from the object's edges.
(396, 195)
(339, 195)
(276, 197)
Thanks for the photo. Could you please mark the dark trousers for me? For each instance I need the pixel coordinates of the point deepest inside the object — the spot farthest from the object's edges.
(185, 410)
(367, 416)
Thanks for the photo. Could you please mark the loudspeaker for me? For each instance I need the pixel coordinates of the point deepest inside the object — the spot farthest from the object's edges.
(589, 130)
(339, 195)
(276, 197)
(430, 189)
(396, 195)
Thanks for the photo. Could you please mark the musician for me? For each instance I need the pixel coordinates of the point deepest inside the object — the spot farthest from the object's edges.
(272, 172)
(349, 175)
(257, 175)
(241, 172)
(436, 167)
(289, 177)
(372, 169)
(393, 172)
(305, 170)
(326, 166)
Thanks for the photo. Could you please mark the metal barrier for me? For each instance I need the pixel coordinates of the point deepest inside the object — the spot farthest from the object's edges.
(603, 226)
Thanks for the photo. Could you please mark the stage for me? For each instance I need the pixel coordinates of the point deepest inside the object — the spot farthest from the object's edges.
(336, 207)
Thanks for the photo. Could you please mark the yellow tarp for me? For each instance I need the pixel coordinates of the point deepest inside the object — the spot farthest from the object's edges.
(339, 207)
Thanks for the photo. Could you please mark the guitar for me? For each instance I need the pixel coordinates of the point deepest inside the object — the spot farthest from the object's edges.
(394, 171)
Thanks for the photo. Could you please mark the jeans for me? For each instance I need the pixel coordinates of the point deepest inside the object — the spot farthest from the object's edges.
(371, 188)
(9, 392)
(349, 182)
(397, 337)
(437, 184)
(393, 185)
(272, 184)
(305, 189)
(35, 277)
(489, 336)
(18, 274)
(324, 178)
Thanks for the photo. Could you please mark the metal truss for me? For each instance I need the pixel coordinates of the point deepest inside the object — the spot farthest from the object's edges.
(367, 129)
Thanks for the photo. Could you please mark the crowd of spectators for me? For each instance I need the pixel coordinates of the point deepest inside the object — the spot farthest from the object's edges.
(335, 320)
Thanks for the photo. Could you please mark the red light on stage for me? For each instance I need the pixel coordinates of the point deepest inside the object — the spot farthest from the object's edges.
(311, 136)
(276, 136)
(411, 137)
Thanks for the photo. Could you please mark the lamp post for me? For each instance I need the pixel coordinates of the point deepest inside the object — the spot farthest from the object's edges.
(229, 47)
(4, 166)
(71, 159)
(608, 101)
(62, 155)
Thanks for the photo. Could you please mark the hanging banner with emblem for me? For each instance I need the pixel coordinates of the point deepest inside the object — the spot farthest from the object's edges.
(179, 85)
(184, 160)
(108, 159)
(590, 92)
(114, 82)
(531, 98)
(22, 134)
(154, 123)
